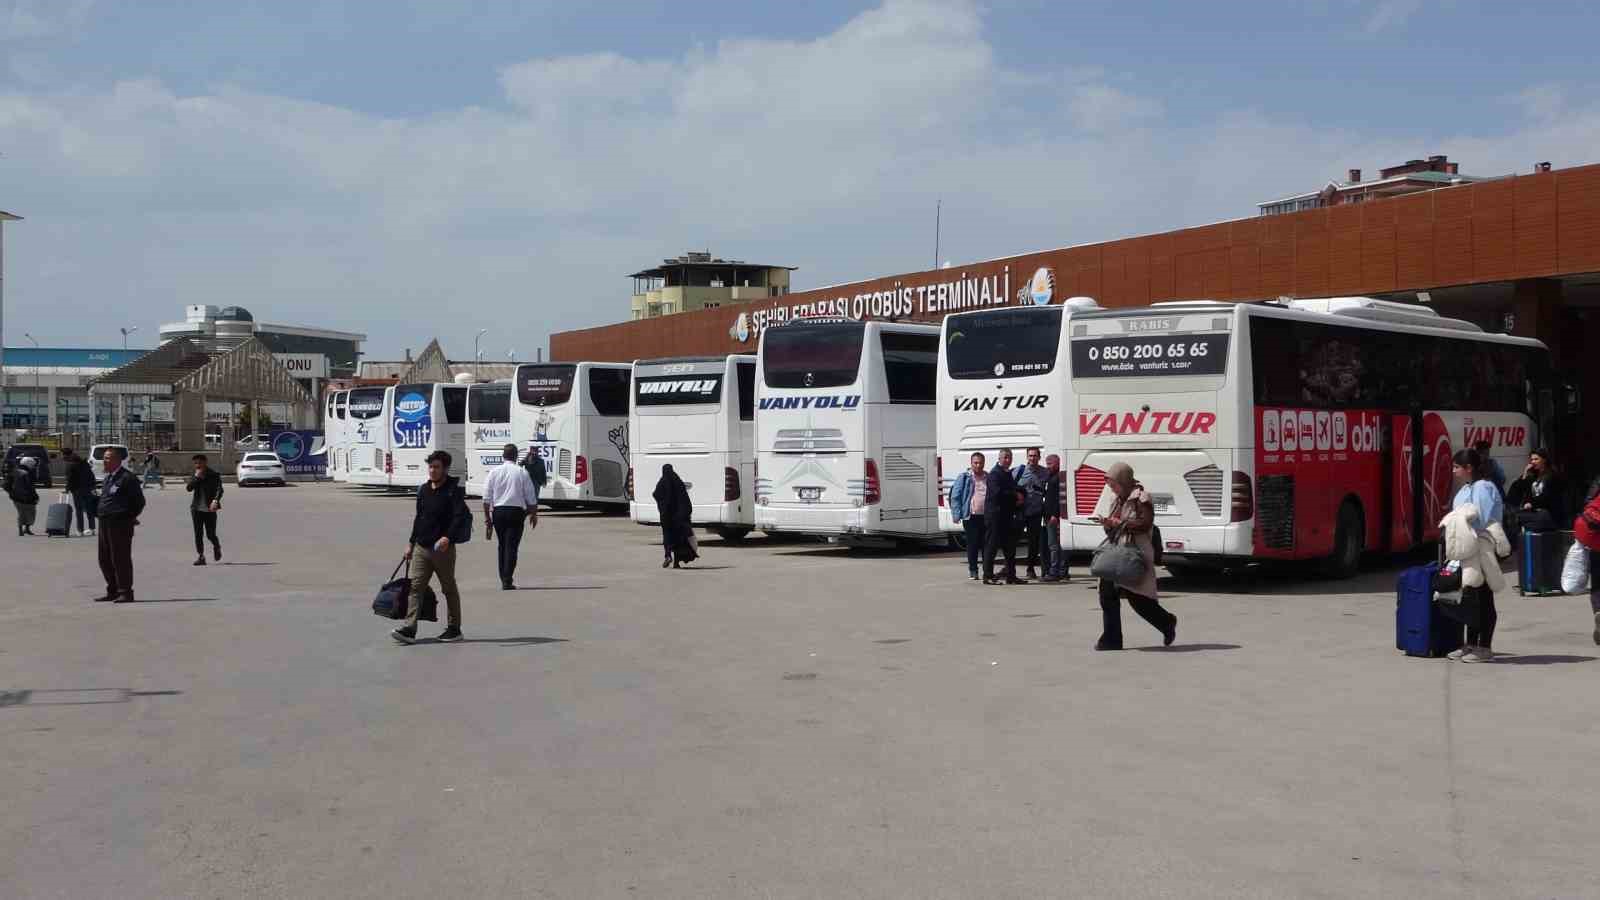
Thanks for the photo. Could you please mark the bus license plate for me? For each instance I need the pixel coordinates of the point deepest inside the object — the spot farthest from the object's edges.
(809, 494)
(1162, 502)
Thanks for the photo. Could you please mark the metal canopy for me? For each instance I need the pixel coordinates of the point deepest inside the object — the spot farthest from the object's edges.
(247, 372)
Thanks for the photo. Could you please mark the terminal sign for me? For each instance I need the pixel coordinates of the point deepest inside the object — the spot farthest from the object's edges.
(303, 365)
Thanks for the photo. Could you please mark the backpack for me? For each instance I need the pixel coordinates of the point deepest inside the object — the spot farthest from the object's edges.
(1586, 527)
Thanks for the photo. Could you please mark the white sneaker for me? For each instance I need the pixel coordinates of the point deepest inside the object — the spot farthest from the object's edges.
(1457, 653)
(1478, 654)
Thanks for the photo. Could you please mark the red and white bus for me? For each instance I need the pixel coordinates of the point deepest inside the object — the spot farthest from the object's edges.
(1301, 429)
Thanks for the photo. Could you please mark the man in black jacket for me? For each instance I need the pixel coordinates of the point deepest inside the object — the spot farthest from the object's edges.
(999, 512)
(206, 486)
(1055, 564)
(121, 502)
(441, 515)
(80, 484)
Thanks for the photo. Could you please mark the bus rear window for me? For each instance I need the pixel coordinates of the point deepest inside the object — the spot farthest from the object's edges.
(545, 385)
(812, 356)
(1007, 343)
(366, 403)
(608, 390)
(490, 404)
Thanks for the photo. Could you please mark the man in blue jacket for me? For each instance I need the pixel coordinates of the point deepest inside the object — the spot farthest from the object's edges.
(967, 497)
(121, 502)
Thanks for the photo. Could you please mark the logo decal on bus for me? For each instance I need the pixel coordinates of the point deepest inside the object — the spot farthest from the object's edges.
(1146, 422)
(485, 434)
(1012, 401)
(826, 401)
(691, 386)
(1319, 431)
(413, 421)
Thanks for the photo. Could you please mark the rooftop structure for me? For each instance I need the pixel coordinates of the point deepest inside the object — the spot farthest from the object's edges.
(1407, 178)
(697, 280)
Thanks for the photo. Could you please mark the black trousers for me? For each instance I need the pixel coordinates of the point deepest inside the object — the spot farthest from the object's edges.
(999, 537)
(1148, 609)
(83, 509)
(1034, 527)
(116, 554)
(508, 525)
(1476, 611)
(205, 526)
(973, 526)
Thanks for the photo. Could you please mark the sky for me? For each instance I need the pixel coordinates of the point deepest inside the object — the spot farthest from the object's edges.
(413, 169)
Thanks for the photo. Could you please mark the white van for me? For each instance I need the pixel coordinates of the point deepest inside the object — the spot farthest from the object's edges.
(698, 414)
(97, 459)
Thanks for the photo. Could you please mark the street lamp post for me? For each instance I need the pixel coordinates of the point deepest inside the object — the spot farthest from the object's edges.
(125, 333)
(35, 397)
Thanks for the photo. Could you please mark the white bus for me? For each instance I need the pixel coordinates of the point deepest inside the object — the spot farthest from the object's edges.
(697, 413)
(333, 435)
(1308, 429)
(1002, 385)
(427, 416)
(488, 431)
(367, 438)
(575, 416)
(845, 430)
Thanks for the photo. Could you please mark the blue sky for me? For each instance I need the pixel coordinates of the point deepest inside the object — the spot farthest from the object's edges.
(407, 169)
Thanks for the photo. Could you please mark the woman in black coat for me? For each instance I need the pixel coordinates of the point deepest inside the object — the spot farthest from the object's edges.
(677, 534)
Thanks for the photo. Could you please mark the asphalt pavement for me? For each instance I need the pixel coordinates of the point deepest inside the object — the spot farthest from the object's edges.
(781, 720)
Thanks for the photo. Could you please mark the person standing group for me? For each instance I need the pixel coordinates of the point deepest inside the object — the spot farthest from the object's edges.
(998, 507)
(206, 487)
(80, 486)
(509, 498)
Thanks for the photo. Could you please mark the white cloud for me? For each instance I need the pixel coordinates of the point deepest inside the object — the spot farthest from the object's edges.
(28, 19)
(526, 214)
(1387, 14)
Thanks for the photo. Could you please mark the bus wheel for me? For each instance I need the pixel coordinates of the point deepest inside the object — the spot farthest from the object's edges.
(731, 535)
(1348, 538)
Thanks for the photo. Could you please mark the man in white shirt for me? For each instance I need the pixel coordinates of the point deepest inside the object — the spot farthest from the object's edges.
(508, 497)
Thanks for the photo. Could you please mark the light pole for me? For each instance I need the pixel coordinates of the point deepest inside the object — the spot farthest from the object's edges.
(477, 355)
(125, 333)
(35, 397)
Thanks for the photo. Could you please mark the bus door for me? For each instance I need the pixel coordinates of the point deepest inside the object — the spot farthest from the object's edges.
(1422, 478)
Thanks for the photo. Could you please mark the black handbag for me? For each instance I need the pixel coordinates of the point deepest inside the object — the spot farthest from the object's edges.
(393, 598)
(1447, 587)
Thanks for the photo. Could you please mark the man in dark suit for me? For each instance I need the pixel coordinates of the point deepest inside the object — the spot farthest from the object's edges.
(999, 520)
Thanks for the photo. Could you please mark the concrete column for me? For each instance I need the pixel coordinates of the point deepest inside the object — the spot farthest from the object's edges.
(50, 406)
(1537, 304)
(122, 418)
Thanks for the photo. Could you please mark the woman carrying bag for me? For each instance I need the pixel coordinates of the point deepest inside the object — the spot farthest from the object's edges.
(1128, 527)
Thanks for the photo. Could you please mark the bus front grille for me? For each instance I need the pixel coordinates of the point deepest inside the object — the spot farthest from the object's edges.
(1205, 483)
(809, 440)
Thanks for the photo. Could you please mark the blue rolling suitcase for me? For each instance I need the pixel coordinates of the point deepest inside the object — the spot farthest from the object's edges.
(1419, 629)
(1543, 552)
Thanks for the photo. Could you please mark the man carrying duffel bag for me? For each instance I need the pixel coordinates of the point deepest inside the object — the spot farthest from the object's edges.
(441, 522)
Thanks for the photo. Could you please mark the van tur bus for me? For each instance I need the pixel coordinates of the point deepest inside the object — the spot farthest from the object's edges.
(1304, 429)
(575, 416)
(367, 435)
(698, 414)
(845, 430)
(488, 431)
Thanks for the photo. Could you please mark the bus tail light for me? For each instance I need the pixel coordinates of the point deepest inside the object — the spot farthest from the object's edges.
(388, 464)
(580, 472)
(871, 487)
(1244, 503)
(730, 484)
(938, 474)
(1088, 483)
(627, 490)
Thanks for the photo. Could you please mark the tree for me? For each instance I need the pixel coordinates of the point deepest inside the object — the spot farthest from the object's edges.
(244, 422)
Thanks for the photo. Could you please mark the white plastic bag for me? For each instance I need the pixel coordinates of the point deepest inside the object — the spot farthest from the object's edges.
(1575, 571)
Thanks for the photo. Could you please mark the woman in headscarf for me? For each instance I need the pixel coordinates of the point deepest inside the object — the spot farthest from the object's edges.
(24, 496)
(1132, 516)
(677, 533)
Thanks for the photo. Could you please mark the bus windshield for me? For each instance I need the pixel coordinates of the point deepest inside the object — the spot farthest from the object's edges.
(546, 385)
(813, 356)
(366, 403)
(1008, 343)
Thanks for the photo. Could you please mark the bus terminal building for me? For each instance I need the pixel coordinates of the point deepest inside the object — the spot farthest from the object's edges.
(1519, 255)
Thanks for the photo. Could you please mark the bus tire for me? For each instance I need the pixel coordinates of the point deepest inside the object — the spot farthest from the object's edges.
(731, 535)
(1349, 536)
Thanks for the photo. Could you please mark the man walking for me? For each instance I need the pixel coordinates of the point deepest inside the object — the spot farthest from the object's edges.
(1031, 479)
(441, 514)
(80, 484)
(999, 511)
(121, 502)
(206, 486)
(509, 498)
(1055, 557)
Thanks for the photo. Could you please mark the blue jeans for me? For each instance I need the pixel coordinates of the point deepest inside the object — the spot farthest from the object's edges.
(1055, 556)
(973, 527)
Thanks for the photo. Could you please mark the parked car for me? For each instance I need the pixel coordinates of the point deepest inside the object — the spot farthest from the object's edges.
(261, 468)
(15, 452)
(97, 459)
(252, 442)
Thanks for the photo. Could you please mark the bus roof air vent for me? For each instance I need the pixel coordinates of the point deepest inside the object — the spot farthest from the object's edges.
(1381, 311)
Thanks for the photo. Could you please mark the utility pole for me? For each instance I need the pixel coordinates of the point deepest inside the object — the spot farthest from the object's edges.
(938, 212)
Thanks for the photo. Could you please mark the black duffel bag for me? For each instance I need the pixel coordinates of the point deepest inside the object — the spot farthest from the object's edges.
(394, 599)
